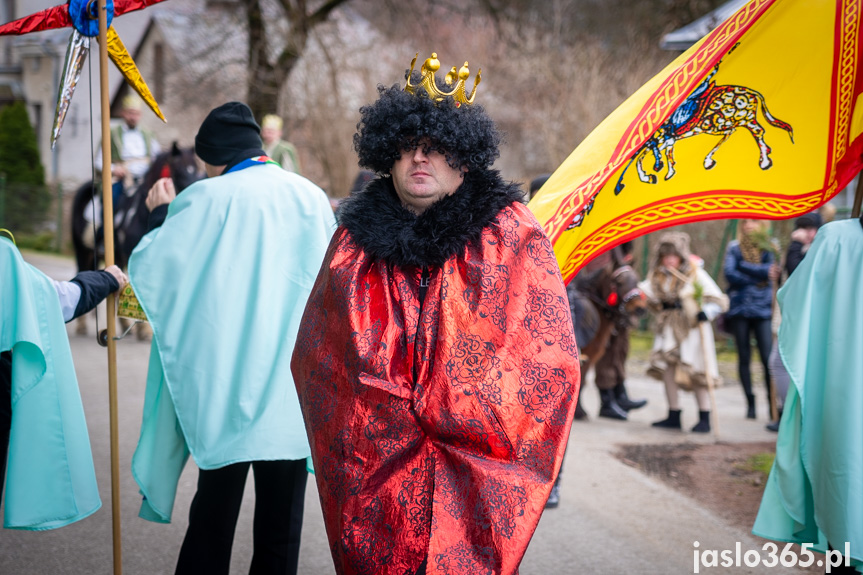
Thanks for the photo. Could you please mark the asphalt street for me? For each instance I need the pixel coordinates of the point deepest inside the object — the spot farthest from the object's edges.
(612, 518)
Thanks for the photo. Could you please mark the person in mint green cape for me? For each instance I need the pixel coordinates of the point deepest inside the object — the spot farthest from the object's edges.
(44, 442)
(223, 276)
(814, 494)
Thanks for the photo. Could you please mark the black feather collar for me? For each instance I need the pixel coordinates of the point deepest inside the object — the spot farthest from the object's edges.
(379, 223)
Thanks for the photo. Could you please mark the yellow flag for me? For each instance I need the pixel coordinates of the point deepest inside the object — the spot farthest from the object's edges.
(759, 119)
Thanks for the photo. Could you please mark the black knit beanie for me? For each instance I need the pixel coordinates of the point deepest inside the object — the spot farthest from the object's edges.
(226, 132)
(812, 220)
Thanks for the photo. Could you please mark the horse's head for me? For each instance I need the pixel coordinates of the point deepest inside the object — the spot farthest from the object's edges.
(181, 166)
(624, 294)
(178, 164)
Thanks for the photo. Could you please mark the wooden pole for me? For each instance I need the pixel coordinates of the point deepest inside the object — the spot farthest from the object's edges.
(858, 197)
(108, 226)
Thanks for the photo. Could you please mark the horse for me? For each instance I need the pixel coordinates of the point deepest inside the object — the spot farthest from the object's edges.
(605, 300)
(130, 213)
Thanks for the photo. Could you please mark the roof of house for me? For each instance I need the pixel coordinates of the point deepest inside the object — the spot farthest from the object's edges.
(683, 38)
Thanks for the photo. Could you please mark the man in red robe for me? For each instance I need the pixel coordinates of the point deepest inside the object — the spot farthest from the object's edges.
(436, 366)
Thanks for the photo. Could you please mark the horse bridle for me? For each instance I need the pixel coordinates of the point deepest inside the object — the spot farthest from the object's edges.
(614, 305)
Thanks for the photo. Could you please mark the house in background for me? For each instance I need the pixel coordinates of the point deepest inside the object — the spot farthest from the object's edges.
(193, 60)
(30, 70)
(192, 54)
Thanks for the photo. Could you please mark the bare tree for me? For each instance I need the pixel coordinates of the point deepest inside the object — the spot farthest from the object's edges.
(267, 75)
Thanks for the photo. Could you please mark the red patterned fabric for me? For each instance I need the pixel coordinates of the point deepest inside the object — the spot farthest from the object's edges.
(438, 434)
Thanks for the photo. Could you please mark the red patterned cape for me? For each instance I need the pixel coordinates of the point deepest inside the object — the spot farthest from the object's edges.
(438, 434)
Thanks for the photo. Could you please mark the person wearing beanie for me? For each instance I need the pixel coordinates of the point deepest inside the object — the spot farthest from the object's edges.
(438, 369)
(805, 228)
(223, 277)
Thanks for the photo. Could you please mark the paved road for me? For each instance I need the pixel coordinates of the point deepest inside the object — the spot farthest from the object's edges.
(612, 518)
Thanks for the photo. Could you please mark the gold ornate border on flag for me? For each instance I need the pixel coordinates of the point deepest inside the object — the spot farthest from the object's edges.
(677, 86)
(680, 210)
(844, 102)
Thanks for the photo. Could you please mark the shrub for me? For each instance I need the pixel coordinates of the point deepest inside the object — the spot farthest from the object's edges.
(24, 199)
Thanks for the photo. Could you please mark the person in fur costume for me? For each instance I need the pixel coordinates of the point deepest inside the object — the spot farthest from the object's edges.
(681, 295)
(438, 369)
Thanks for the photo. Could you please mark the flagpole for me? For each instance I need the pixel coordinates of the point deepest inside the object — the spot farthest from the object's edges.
(108, 226)
(858, 197)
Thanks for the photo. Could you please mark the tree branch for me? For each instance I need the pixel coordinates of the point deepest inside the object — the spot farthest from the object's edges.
(323, 12)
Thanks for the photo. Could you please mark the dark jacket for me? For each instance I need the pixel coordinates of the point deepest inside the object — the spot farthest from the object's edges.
(750, 291)
(794, 256)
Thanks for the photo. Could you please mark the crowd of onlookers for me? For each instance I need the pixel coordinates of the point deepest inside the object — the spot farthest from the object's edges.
(684, 299)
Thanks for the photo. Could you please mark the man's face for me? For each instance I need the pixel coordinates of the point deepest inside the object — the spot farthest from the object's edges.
(270, 134)
(132, 117)
(422, 176)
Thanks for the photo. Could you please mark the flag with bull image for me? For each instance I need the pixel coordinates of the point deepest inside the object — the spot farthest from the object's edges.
(759, 119)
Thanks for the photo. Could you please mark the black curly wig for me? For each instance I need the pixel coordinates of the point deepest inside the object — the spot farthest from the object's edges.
(398, 120)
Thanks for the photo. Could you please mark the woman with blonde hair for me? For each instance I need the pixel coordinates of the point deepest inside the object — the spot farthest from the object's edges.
(682, 295)
(751, 270)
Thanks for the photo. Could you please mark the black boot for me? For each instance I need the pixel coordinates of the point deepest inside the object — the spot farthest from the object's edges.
(774, 425)
(750, 407)
(623, 400)
(609, 407)
(703, 425)
(580, 413)
(554, 496)
(672, 422)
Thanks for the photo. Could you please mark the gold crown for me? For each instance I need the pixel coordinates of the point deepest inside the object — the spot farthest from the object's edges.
(432, 65)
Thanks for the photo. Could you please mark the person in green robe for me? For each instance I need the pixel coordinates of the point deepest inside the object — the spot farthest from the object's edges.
(280, 151)
(223, 277)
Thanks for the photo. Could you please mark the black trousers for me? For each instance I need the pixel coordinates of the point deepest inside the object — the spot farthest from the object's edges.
(5, 412)
(280, 488)
(742, 328)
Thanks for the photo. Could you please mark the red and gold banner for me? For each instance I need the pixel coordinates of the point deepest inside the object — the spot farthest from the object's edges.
(58, 17)
(80, 15)
(759, 119)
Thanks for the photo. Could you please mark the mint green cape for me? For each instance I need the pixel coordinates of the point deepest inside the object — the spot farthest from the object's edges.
(224, 282)
(815, 490)
(50, 480)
